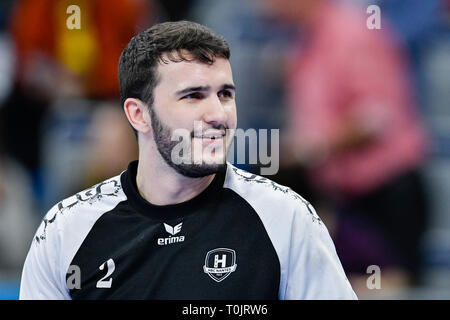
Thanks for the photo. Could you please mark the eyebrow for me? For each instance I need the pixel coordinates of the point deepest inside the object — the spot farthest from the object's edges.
(203, 89)
(228, 87)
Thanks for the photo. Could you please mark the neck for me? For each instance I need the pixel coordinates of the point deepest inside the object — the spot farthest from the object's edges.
(160, 184)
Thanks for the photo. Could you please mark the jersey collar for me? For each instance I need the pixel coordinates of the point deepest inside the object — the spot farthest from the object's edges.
(207, 197)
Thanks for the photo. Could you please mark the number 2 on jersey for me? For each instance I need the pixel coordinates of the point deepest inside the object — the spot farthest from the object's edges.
(103, 283)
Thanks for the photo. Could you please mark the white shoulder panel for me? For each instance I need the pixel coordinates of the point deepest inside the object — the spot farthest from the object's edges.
(59, 237)
(310, 267)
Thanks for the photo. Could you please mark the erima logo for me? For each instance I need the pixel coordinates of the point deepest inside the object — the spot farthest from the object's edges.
(172, 231)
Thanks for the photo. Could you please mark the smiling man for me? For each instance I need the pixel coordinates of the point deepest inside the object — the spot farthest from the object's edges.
(193, 229)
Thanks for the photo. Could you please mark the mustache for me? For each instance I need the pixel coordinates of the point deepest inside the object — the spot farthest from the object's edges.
(215, 127)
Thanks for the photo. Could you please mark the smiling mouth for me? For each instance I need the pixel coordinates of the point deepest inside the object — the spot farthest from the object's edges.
(210, 137)
(211, 140)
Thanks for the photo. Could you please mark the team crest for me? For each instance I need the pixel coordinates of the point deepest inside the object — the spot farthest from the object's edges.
(220, 263)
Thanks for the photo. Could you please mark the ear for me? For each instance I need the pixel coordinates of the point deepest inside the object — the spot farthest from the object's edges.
(137, 114)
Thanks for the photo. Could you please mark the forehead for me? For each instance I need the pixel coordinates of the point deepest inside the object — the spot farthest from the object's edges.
(193, 72)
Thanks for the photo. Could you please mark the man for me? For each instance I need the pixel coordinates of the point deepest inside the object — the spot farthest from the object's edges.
(193, 229)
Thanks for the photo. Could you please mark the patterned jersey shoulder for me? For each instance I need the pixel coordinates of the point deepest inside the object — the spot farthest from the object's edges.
(87, 204)
(253, 186)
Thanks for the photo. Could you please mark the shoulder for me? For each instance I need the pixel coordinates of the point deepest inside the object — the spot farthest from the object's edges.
(306, 253)
(268, 197)
(59, 236)
(83, 207)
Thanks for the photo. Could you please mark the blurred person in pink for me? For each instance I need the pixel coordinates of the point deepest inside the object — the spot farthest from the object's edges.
(352, 121)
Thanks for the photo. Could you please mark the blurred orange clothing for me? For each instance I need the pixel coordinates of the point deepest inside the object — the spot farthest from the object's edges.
(91, 52)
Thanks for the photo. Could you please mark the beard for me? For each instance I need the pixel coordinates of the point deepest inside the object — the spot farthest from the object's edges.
(163, 134)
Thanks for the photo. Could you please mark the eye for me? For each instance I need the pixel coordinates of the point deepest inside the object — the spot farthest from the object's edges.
(228, 94)
(193, 95)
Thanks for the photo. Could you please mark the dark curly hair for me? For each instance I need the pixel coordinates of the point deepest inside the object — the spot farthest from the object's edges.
(138, 61)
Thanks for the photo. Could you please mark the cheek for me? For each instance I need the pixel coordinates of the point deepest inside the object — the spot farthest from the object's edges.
(180, 118)
(232, 117)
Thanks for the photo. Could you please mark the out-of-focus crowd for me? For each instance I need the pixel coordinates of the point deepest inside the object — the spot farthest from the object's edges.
(364, 118)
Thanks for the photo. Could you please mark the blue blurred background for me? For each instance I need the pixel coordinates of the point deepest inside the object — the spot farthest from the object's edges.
(364, 118)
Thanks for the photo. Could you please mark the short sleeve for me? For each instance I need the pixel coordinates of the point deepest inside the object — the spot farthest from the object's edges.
(41, 278)
(314, 269)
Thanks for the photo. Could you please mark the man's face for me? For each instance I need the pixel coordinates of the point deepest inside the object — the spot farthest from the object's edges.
(198, 98)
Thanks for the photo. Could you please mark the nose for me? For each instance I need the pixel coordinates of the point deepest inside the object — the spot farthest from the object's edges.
(215, 113)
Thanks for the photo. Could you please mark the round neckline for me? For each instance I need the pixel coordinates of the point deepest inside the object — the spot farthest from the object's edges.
(171, 211)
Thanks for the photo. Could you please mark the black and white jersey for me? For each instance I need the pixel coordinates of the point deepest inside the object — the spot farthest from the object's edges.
(243, 237)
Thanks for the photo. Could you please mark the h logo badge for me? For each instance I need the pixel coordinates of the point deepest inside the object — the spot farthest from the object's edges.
(220, 263)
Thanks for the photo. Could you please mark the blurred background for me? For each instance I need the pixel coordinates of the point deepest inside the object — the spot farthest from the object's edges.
(364, 118)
